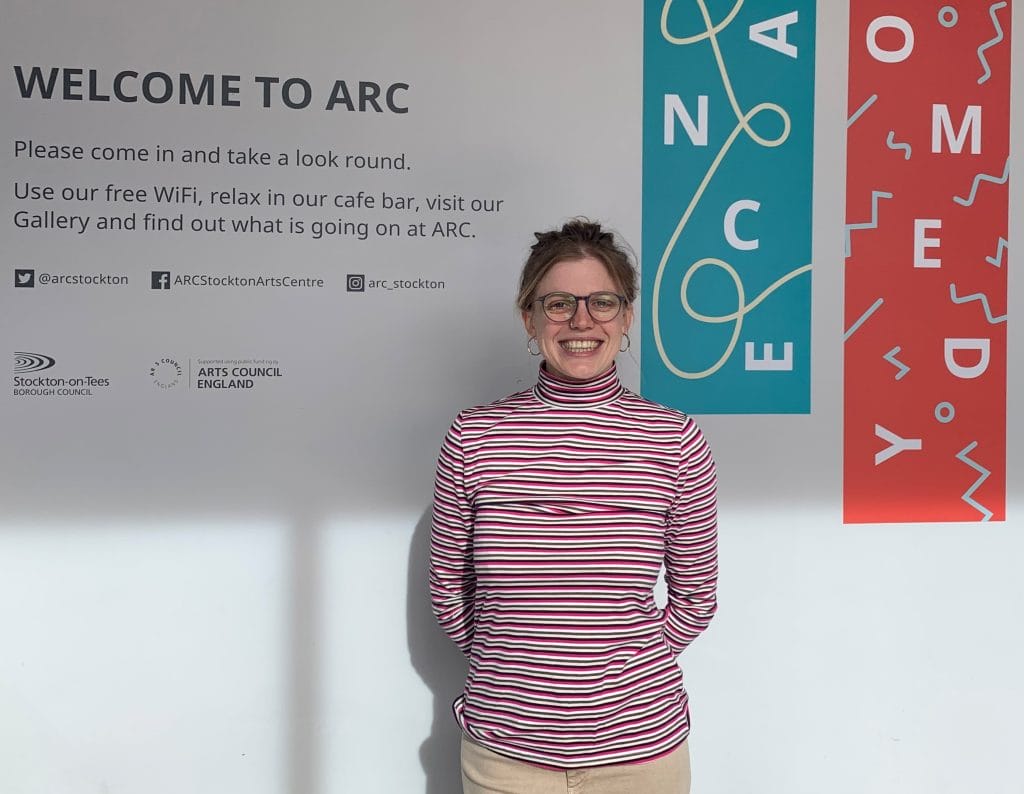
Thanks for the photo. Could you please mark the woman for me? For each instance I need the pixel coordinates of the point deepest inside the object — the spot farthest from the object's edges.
(554, 510)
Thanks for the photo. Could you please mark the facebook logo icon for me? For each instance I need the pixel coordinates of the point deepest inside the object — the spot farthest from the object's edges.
(161, 279)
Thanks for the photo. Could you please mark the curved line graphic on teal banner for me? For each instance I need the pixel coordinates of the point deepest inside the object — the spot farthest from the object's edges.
(743, 124)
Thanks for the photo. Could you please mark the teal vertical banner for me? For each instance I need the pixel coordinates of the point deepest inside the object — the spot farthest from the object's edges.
(728, 134)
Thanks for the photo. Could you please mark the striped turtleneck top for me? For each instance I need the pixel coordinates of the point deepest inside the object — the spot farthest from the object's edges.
(554, 511)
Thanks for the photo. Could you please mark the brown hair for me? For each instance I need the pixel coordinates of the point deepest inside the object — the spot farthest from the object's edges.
(577, 239)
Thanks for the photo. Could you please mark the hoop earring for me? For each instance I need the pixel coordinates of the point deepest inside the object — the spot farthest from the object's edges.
(626, 337)
(529, 349)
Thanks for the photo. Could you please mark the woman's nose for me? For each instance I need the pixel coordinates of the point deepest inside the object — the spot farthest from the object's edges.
(581, 317)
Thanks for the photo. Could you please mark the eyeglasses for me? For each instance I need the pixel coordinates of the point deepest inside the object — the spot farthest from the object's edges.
(560, 307)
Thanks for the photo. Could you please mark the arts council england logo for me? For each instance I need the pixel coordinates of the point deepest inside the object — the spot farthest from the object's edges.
(215, 374)
(166, 373)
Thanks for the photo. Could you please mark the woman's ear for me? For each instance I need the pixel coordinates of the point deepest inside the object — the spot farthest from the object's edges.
(531, 329)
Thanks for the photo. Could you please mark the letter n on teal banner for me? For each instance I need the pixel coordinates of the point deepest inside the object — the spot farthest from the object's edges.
(728, 134)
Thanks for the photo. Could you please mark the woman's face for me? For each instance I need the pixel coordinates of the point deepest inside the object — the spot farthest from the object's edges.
(582, 347)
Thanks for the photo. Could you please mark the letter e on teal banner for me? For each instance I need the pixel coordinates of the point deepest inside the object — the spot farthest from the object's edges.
(728, 134)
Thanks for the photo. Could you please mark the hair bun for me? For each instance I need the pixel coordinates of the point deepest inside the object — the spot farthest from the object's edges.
(578, 238)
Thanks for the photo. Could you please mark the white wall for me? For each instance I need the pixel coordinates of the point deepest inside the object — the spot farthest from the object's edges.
(211, 592)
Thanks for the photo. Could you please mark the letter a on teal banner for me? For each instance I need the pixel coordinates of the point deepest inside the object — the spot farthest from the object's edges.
(727, 180)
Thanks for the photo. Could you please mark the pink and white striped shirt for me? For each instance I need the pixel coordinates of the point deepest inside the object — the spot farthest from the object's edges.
(554, 510)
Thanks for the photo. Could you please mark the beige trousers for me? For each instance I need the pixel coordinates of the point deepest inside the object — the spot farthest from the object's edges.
(487, 772)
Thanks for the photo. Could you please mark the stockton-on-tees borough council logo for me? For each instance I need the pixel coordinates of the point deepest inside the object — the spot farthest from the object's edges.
(166, 373)
(31, 379)
(32, 362)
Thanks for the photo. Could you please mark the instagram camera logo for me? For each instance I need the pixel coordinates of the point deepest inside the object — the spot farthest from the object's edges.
(161, 279)
(355, 282)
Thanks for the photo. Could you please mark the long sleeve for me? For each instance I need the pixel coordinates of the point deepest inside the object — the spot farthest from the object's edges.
(691, 554)
(452, 579)
(554, 511)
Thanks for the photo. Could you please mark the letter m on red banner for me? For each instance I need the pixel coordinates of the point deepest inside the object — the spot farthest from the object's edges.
(926, 261)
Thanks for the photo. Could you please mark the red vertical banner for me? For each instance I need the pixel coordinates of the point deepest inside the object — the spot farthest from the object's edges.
(926, 260)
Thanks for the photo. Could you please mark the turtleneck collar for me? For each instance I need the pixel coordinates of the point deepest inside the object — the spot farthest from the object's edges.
(603, 389)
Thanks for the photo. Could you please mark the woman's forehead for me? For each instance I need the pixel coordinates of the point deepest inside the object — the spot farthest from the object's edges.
(570, 275)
